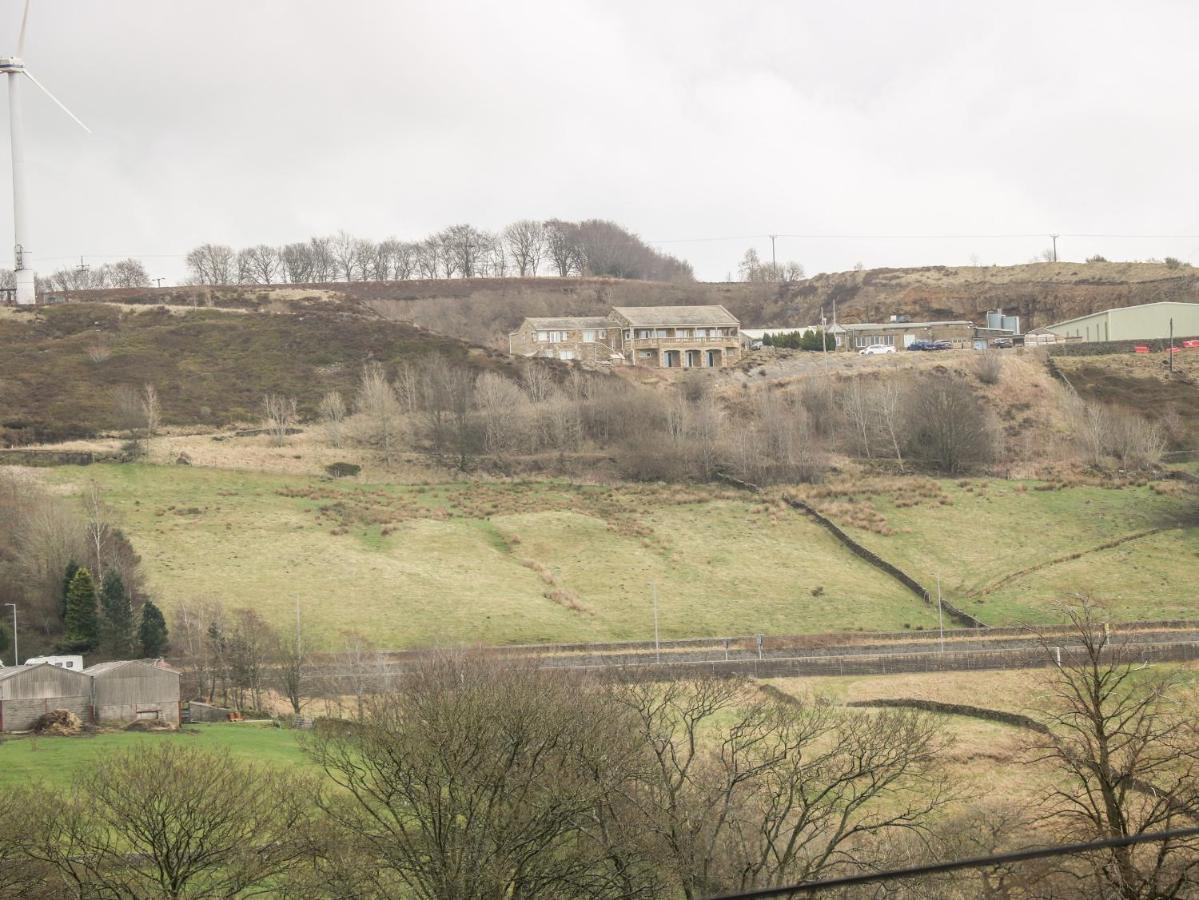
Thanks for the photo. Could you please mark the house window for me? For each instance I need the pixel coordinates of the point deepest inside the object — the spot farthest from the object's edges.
(662, 332)
(591, 334)
(566, 354)
(552, 337)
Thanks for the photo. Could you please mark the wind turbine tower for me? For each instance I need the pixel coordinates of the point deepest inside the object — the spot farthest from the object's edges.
(14, 68)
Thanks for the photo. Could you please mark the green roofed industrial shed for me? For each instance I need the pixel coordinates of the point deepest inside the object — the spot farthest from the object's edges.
(1150, 321)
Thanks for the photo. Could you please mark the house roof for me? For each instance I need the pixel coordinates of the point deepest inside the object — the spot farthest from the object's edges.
(643, 316)
(899, 326)
(569, 322)
(10, 671)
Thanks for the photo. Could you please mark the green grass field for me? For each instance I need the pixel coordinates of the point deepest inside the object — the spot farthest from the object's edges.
(451, 564)
(462, 563)
(56, 759)
(987, 533)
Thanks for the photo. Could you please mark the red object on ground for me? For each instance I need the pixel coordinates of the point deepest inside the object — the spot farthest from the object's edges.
(1140, 349)
(1191, 345)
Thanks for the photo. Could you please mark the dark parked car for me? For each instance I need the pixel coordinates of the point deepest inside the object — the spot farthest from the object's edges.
(1002, 342)
(920, 345)
(942, 345)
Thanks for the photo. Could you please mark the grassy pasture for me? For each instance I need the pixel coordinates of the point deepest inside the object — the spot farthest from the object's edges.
(416, 565)
(991, 529)
(58, 759)
(462, 563)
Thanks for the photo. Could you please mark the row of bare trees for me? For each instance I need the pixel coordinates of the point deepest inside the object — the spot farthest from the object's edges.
(470, 777)
(124, 273)
(688, 432)
(524, 249)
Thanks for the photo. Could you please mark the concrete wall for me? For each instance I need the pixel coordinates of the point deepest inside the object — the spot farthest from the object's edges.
(19, 715)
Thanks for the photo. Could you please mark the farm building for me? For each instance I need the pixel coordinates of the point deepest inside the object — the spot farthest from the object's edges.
(28, 691)
(1149, 321)
(125, 690)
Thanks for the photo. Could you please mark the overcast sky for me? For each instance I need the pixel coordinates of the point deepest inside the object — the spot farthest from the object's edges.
(248, 121)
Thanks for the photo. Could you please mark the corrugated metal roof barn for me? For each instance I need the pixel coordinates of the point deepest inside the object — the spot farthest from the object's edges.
(125, 690)
(27, 692)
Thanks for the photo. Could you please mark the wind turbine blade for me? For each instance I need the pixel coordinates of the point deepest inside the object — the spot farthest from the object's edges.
(21, 38)
(61, 105)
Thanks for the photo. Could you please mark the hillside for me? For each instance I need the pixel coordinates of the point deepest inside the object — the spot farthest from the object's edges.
(483, 310)
(62, 368)
(502, 562)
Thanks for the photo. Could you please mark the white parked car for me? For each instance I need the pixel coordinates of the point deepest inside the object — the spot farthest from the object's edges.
(876, 348)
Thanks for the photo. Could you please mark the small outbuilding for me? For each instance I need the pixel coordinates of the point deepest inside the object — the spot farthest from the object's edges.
(128, 690)
(27, 692)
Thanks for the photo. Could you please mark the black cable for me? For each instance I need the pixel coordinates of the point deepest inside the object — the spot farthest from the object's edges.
(976, 862)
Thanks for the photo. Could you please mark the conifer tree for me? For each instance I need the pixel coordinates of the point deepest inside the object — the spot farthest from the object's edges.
(82, 623)
(72, 568)
(153, 630)
(116, 626)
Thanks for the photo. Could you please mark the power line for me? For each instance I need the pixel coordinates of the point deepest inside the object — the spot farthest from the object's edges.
(930, 236)
(975, 862)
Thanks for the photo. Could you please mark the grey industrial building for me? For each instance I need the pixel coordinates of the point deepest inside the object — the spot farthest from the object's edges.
(1147, 322)
(119, 691)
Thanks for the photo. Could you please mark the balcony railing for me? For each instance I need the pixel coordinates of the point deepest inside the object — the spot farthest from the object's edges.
(650, 343)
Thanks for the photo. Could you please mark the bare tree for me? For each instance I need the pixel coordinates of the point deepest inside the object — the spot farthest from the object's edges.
(525, 241)
(173, 821)
(211, 264)
(428, 258)
(500, 403)
(252, 646)
(129, 273)
(466, 247)
(296, 261)
(333, 415)
(344, 248)
(539, 385)
(949, 428)
(379, 409)
(790, 791)
(478, 780)
(1125, 753)
(151, 410)
(324, 266)
(562, 247)
(262, 264)
(279, 415)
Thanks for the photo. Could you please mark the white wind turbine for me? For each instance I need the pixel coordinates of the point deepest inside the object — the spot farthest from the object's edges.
(14, 68)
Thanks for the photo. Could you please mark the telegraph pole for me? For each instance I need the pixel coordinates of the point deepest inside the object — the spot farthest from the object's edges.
(16, 647)
(653, 585)
(1055, 237)
(82, 268)
(940, 616)
(160, 281)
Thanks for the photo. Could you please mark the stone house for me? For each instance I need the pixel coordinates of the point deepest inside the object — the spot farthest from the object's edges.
(666, 337)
